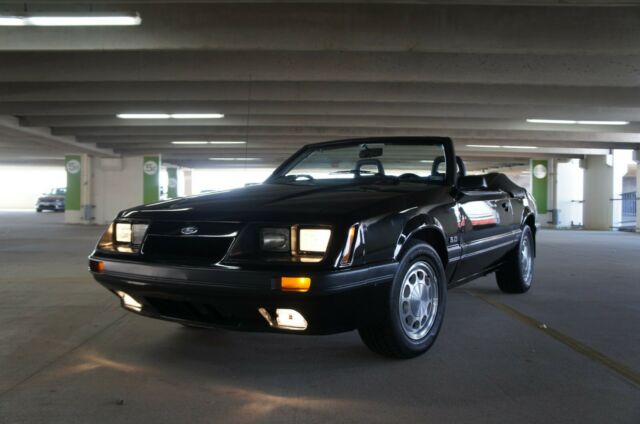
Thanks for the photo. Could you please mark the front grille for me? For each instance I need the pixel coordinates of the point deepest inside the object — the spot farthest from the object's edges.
(165, 243)
(186, 250)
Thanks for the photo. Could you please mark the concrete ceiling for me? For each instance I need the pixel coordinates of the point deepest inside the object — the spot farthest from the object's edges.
(289, 73)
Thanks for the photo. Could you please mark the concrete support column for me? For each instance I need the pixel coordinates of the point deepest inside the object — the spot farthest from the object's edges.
(78, 167)
(172, 183)
(188, 182)
(122, 183)
(86, 189)
(598, 192)
(151, 179)
(540, 188)
(553, 193)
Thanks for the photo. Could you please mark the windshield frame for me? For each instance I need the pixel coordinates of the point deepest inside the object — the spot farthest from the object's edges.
(450, 177)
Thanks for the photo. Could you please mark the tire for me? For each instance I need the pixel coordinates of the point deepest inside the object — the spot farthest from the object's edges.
(38, 210)
(409, 326)
(516, 274)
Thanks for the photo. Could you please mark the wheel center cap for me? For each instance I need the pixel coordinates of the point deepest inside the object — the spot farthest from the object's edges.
(418, 299)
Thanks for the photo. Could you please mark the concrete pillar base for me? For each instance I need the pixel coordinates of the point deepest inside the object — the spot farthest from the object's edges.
(598, 192)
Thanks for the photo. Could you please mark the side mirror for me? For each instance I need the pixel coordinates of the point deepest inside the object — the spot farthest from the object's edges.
(472, 182)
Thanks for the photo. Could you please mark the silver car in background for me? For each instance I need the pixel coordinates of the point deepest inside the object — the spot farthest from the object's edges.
(53, 201)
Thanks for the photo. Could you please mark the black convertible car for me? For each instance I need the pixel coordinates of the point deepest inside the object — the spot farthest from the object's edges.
(363, 234)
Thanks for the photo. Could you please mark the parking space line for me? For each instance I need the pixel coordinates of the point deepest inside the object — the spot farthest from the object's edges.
(622, 370)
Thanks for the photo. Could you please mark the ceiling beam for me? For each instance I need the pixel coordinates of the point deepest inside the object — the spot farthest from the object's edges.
(194, 65)
(331, 121)
(417, 26)
(385, 92)
(44, 136)
(233, 132)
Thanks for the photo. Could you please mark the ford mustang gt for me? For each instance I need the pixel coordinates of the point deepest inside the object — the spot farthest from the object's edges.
(363, 234)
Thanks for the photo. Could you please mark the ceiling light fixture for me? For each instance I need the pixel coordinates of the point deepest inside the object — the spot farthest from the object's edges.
(574, 122)
(143, 116)
(552, 121)
(208, 142)
(603, 122)
(170, 115)
(69, 19)
(495, 146)
(197, 115)
(232, 159)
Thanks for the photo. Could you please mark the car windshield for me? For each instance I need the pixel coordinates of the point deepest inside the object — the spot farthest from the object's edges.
(416, 162)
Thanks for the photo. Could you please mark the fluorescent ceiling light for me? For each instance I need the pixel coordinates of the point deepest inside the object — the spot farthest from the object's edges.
(551, 121)
(170, 115)
(11, 21)
(495, 146)
(208, 142)
(197, 115)
(603, 122)
(143, 116)
(573, 122)
(232, 159)
(71, 20)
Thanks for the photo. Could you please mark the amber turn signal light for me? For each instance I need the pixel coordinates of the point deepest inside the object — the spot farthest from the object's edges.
(96, 266)
(297, 284)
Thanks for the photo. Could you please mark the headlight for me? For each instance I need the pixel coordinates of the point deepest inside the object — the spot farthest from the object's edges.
(314, 240)
(275, 239)
(130, 233)
(303, 242)
(123, 237)
(123, 233)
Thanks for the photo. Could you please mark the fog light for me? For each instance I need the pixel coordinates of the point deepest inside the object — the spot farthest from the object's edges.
(129, 302)
(298, 284)
(290, 319)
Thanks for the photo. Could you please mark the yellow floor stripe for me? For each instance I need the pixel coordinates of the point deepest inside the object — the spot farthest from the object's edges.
(617, 367)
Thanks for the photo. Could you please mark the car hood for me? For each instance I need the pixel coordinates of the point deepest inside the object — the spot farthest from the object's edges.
(283, 202)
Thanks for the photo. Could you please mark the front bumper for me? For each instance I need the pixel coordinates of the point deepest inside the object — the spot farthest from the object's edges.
(50, 206)
(339, 300)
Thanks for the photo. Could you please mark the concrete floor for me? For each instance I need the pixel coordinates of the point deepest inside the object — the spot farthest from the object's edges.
(69, 354)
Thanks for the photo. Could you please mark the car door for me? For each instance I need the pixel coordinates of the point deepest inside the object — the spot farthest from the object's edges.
(486, 234)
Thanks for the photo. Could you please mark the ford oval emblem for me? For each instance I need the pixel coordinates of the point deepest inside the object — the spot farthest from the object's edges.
(187, 231)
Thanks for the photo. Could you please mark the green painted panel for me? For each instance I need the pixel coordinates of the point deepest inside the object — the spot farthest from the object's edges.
(540, 183)
(73, 165)
(172, 190)
(151, 179)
